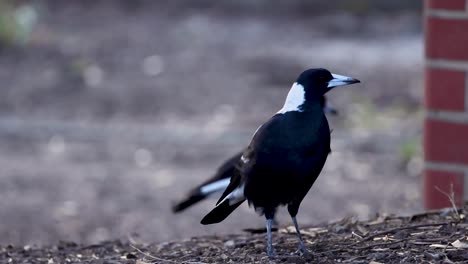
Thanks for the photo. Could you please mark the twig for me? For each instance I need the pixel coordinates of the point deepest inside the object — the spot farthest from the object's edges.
(353, 259)
(354, 234)
(151, 256)
(381, 234)
(396, 229)
(331, 251)
(161, 259)
(451, 197)
(380, 244)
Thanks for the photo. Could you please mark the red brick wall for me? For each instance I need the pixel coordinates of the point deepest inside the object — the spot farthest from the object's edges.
(446, 124)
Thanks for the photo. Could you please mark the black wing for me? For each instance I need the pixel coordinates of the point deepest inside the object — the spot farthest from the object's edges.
(225, 206)
(225, 171)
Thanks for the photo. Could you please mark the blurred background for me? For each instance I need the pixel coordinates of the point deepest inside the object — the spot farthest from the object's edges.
(110, 111)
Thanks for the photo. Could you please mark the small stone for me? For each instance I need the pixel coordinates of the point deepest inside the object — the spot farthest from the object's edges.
(433, 256)
(130, 256)
(229, 243)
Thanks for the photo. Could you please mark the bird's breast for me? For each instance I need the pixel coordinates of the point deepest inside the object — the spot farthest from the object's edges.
(295, 131)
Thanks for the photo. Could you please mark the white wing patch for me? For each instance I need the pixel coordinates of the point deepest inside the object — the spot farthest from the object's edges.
(244, 159)
(215, 186)
(295, 98)
(235, 196)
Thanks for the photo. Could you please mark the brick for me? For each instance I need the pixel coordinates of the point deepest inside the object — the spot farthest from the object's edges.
(446, 182)
(456, 5)
(445, 89)
(446, 38)
(446, 142)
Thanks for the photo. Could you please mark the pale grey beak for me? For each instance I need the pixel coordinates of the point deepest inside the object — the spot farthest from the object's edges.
(340, 80)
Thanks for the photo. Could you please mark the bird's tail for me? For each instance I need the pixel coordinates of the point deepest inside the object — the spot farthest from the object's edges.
(220, 212)
(201, 192)
(187, 202)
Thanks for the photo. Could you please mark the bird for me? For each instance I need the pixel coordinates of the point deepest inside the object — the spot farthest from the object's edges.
(220, 180)
(285, 156)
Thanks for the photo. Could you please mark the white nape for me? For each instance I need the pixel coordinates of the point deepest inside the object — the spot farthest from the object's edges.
(215, 186)
(295, 98)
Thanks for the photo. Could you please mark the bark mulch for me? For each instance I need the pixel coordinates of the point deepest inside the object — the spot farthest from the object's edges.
(431, 237)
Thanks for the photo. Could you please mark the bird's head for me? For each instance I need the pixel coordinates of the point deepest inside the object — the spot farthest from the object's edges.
(317, 82)
(310, 87)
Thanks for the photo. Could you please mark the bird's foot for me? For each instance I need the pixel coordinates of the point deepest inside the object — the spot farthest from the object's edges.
(302, 250)
(271, 252)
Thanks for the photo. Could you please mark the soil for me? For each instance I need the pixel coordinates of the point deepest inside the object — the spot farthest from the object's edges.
(431, 237)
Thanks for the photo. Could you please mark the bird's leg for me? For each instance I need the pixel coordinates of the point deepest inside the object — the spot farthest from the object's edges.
(301, 248)
(270, 250)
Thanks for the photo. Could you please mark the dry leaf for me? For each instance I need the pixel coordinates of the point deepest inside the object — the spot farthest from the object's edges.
(363, 230)
(307, 233)
(141, 262)
(287, 230)
(459, 244)
(375, 262)
(384, 238)
(380, 249)
(438, 246)
(317, 230)
(376, 222)
(418, 233)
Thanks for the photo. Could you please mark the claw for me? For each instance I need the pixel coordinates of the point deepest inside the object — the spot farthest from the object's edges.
(302, 250)
(271, 252)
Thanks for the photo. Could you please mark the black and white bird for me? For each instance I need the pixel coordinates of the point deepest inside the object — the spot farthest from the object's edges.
(285, 155)
(220, 180)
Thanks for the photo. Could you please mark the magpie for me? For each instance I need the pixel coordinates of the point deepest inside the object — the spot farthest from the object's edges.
(285, 156)
(220, 180)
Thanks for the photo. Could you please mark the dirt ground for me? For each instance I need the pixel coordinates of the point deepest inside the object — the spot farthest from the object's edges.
(113, 111)
(432, 237)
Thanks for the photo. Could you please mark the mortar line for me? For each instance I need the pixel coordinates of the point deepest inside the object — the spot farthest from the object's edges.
(447, 64)
(448, 116)
(447, 14)
(466, 90)
(465, 186)
(444, 166)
